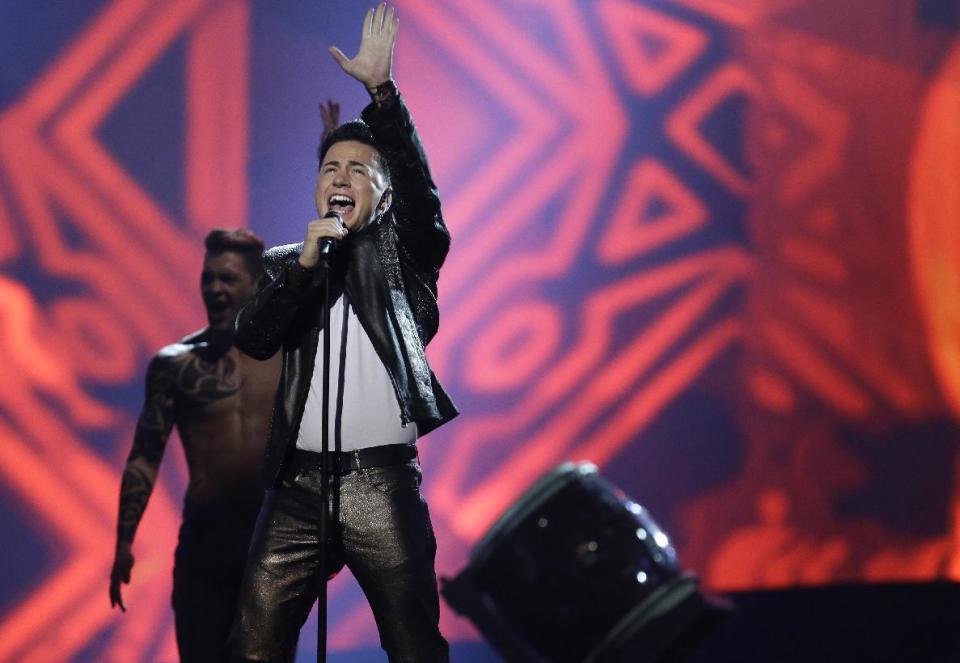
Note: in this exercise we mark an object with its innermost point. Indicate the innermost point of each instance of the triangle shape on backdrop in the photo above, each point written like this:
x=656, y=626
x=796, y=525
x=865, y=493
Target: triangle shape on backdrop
x=656, y=208
x=652, y=48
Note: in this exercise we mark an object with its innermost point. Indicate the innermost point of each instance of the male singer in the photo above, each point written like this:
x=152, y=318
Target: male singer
x=392, y=240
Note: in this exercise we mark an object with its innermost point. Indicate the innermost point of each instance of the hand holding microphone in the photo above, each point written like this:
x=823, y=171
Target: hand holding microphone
x=322, y=238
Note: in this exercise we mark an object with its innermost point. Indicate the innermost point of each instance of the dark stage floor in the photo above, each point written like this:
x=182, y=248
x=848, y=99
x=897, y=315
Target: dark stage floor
x=880, y=623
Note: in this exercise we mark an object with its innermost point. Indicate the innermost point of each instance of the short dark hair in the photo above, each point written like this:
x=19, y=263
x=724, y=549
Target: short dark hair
x=238, y=240
x=359, y=131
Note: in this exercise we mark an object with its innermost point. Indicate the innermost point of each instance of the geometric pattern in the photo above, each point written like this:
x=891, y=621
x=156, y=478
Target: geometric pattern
x=635, y=228
x=652, y=203
x=75, y=213
x=655, y=47
x=842, y=391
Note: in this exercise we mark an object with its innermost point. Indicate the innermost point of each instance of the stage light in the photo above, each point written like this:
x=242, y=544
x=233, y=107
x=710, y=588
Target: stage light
x=575, y=572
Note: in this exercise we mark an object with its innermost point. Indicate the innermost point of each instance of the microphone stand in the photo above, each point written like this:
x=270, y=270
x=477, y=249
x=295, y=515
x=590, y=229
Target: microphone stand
x=324, y=452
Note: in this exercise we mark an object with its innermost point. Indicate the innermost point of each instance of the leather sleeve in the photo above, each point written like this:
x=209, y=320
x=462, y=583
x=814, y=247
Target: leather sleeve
x=263, y=324
x=416, y=201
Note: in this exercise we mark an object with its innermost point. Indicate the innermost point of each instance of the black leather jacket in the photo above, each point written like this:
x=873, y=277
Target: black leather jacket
x=389, y=271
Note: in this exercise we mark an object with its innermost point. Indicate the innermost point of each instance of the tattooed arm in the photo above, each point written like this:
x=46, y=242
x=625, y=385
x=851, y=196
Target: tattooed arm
x=140, y=473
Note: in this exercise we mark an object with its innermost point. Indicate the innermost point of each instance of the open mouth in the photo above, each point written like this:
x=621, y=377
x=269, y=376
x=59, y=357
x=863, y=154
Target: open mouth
x=341, y=203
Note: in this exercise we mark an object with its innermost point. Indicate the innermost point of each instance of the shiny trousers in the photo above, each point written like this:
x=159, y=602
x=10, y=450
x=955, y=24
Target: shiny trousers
x=379, y=528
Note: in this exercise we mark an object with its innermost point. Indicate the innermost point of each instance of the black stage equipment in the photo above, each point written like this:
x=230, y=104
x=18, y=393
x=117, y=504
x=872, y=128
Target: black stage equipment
x=576, y=572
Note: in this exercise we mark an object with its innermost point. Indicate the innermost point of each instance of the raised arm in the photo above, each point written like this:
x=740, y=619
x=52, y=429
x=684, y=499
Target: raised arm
x=143, y=463
x=416, y=206
x=416, y=201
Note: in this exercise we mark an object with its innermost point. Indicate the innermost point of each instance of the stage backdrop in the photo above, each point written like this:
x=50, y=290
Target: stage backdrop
x=711, y=245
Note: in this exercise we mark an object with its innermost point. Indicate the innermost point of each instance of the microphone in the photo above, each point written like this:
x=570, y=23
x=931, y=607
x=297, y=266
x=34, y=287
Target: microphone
x=329, y=245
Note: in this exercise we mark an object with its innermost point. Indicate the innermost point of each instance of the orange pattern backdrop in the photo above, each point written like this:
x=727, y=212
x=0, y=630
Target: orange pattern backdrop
x=711, y=245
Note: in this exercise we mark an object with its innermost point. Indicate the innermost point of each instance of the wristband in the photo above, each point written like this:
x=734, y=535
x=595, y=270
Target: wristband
x=383, y=93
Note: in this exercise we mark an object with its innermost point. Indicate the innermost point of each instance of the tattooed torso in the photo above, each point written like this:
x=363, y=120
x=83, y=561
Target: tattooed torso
x=221, y=402
x=201, y=382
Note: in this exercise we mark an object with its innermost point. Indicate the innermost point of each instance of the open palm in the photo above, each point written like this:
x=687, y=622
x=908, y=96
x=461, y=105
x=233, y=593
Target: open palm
x=373, y=63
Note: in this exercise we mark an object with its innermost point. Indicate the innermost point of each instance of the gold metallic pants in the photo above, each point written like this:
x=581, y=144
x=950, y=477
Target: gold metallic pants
x=379, y=528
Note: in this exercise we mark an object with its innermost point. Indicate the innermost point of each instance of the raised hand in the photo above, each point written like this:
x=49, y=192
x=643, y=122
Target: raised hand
x=373, y=63
x=330, y=116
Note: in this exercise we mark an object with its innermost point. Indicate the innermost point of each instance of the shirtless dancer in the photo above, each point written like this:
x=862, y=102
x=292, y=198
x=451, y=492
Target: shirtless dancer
x=221, y=402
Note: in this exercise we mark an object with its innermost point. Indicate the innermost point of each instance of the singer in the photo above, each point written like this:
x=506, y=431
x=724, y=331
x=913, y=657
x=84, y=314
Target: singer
x=380, y=223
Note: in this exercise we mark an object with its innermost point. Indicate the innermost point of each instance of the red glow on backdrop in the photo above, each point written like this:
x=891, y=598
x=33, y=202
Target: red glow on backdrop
x=736, y=201
x=66, y=186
